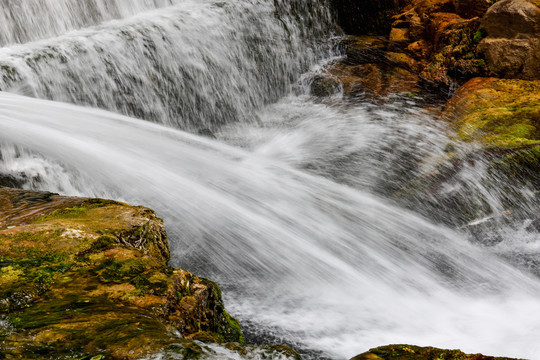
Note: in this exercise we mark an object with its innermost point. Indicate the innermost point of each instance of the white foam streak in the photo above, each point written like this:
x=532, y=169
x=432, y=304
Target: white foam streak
x=195, y=65
x=333, y=268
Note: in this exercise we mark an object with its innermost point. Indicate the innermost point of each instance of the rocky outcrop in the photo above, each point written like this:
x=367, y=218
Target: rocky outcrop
x=502, y=118
x=430, y=45
x=410, y=352
x=511, y=45
x=449, y=42
x=499, y=113
x=88, y=277
x=443, y=35
x=369, y=71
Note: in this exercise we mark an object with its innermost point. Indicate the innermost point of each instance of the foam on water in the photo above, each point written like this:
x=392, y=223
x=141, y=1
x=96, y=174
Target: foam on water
x=195, y=65
x=332, y=268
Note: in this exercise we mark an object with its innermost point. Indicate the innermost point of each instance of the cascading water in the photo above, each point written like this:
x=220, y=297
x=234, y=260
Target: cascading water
x=293, y=216
x=29, y=20
x=195, y=65
x=333, y=268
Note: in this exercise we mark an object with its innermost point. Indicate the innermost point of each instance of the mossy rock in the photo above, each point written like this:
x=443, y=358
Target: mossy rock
x=411, y=352
x=497, y=113
x=88, y=277
x=503, y=117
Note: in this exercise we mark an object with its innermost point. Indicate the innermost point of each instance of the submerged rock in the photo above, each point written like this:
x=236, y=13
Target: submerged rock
x=501, y=117
x=9, y=180
x=411, y=352
x=368, y=71
x=83, y=277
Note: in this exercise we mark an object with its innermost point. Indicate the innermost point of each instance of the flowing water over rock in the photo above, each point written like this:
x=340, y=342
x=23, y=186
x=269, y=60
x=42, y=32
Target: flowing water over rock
x=295, y=208
x=29, y=20
x=333, y=268
x=195, y=65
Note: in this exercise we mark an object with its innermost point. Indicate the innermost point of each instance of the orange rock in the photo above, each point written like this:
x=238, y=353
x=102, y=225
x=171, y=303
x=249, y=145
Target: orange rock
x=399, y=35
x=421, y=49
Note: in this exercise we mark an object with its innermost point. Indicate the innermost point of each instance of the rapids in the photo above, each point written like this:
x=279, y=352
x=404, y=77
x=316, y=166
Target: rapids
x=292, y=208
x=334, y=268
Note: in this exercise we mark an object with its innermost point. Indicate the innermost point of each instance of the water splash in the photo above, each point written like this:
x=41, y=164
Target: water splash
x=30, y=20
x=334, y=268
x=195, y=65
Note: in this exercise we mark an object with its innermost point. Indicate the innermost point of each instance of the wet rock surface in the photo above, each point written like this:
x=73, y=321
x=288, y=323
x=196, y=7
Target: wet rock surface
x=500, y=118
x=89, y=277
x=369, y=71
x=410, y=352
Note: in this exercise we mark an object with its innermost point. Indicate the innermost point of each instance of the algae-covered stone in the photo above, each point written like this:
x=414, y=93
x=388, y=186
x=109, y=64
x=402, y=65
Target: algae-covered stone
x=497, y=113
x=411, y=352
x=88, y=277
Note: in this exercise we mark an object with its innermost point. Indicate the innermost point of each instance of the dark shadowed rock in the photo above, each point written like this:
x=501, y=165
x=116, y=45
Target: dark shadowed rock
x=207, y=133
x=471, y=8
x=324, y=85
x=359, y=17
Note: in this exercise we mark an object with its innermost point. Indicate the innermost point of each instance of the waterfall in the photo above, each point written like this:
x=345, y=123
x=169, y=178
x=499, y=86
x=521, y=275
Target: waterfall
x=195, y=65
x=357, y=270
x=293, y=208
x=29, y=20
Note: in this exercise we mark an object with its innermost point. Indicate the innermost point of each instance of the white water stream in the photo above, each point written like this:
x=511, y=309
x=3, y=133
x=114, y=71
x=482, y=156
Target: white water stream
x=288, y=210
x=195, y=65
x=332, y=268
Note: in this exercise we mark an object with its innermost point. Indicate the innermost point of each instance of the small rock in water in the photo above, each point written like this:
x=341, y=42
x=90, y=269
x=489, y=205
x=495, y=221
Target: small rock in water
x=207, y=133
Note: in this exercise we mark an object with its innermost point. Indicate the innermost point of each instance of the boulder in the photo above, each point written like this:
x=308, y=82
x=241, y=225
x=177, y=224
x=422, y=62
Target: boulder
x=89, y=278
x=374, y=82
x=498, y=113
x=324, y=85
x=364, y=49
x=511, y=45
x=502, y=118
x=411, y=352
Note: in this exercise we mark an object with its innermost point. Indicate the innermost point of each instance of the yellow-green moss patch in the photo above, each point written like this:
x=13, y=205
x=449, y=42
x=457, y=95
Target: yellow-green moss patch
x=497, y=113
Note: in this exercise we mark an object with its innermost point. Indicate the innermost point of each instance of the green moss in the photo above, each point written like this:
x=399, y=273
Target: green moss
x=411, y=352
x=502, y=114
x=232, y=332
x=80, y=284
x=479, y=35
x=520, y=166
x=76, y=211
x=480, y=63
